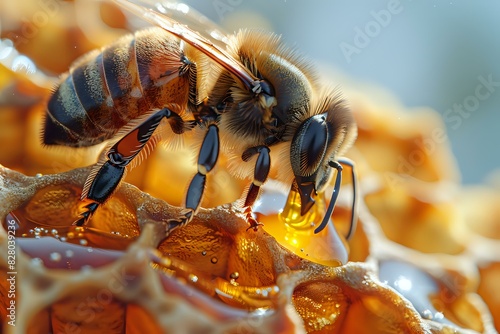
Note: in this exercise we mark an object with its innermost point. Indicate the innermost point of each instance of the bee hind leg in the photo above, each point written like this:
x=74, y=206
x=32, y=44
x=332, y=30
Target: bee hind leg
x=103, y=184
x=207, y=159
x=105, y=177
x=261, y=171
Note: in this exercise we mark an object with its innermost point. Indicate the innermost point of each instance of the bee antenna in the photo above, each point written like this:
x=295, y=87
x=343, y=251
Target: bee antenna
x=354, y=208
x=335, y=195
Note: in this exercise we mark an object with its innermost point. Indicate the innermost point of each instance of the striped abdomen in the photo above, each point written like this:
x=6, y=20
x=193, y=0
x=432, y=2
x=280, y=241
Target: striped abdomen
x=103, y=91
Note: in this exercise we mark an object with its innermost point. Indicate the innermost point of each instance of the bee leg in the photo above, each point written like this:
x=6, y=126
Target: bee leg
x=261, y=171
x=85, y=216
x=102, y=182
x=207, y=159
x=103, y=185
x=354, y=208
x=335, y=195
x=336, y=189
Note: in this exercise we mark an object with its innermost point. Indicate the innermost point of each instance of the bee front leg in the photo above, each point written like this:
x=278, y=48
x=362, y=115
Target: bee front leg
x=355, y=191
x=261, y=171
x=207, y=159
x=105, y=177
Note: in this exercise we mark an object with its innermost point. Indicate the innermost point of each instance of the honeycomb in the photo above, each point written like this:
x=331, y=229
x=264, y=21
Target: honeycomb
x=425, y=257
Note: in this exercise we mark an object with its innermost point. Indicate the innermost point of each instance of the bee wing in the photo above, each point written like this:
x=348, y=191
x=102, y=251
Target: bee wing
x=186, y=15
x=193, y=38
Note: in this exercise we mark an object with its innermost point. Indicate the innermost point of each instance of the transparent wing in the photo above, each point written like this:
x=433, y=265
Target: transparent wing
x=187, y=15
x=162, y=14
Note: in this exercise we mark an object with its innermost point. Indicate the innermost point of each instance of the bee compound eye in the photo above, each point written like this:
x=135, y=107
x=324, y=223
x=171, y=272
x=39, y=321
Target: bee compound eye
x=309, y=145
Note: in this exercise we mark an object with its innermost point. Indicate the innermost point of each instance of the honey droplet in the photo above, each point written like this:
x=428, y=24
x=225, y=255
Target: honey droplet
x=296, y=232
x=427, y=314
x=37, y=261
x=234, y=275
x=56, y=257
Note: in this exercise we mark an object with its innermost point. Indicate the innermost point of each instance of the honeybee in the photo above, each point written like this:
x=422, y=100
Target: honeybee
x=256, y=100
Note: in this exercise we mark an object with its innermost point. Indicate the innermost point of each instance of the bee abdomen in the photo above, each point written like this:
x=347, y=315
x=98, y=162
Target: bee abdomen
x=67, y=121
x=104, y=91
x=82, y=111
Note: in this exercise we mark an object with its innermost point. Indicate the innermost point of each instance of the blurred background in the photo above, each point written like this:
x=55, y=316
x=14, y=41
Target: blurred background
x=427, y=53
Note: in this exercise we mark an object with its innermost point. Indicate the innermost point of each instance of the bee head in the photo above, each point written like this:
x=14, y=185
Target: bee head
x=315, y=146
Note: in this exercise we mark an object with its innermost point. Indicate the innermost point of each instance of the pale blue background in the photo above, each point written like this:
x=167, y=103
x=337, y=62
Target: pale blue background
x=430, y=54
